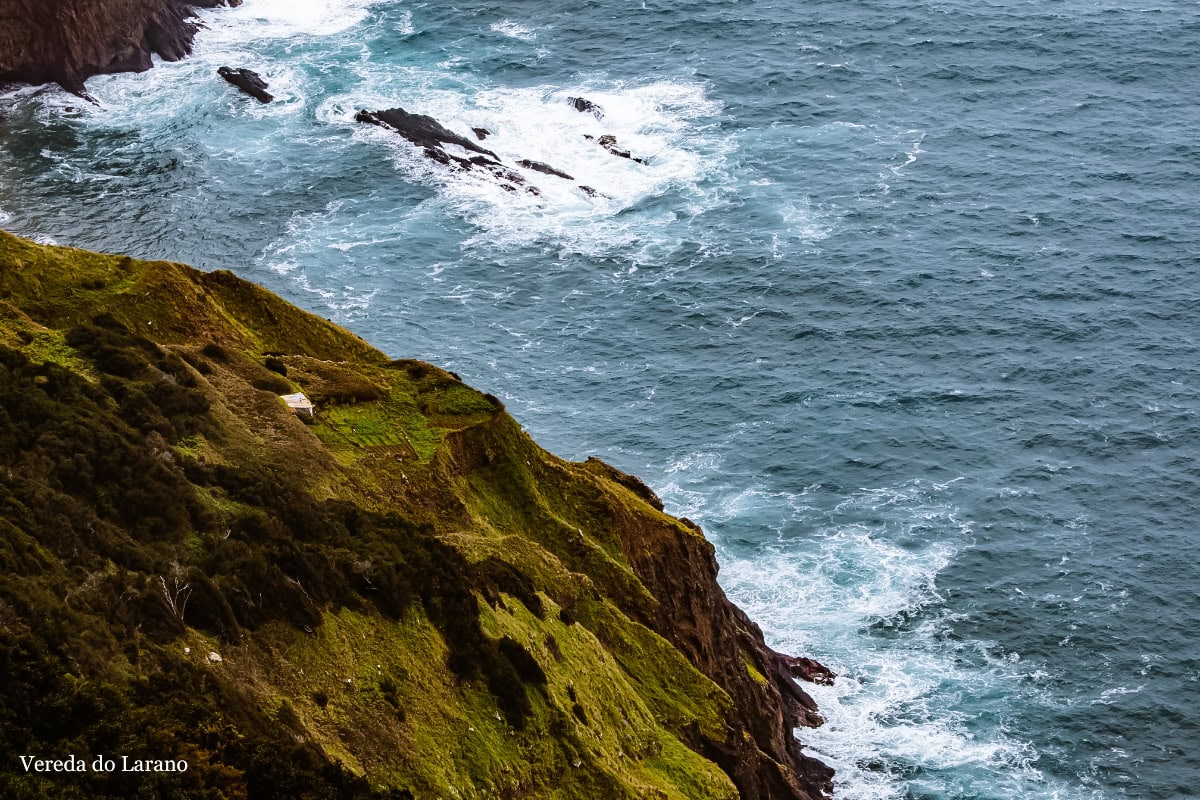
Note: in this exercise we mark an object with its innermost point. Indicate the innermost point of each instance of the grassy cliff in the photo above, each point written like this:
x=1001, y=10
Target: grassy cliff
x=404, y=597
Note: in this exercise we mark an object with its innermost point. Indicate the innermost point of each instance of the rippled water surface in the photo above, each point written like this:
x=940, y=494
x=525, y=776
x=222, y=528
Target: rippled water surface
x=902, y=309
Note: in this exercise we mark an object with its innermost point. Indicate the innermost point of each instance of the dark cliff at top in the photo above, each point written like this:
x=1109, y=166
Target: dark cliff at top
x=68, y=41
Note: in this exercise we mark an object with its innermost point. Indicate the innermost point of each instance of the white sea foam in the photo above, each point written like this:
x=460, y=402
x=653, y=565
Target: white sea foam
x=20, y=91
x=255, y=20
x=405, y=26
x=640, y=211
x=662, y=123
x=4, y=217
x=833, y=574
x=692, y=461
x=514, y=30
x=280, y=256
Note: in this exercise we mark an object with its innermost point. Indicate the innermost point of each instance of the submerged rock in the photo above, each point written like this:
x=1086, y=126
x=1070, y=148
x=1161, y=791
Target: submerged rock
x=481, y=133
x=248, y=81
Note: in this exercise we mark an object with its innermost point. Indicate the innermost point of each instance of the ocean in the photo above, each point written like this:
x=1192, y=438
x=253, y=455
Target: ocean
x=902, y=308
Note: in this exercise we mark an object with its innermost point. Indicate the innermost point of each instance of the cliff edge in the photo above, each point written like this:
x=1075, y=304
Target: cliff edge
x=68, y=41
x=400, y=597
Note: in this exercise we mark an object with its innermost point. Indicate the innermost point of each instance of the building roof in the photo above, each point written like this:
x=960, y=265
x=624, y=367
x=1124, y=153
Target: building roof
x=297, y=400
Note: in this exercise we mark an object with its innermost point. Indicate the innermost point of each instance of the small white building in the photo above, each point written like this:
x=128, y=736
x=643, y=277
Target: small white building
x=299, y=404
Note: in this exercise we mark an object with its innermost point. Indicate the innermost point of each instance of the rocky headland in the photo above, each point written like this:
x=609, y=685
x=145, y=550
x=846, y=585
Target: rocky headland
x=402, y=596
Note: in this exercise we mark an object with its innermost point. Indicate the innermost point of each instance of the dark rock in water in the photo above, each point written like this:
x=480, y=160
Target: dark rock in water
x=609, y=143
x=499, y=170
x=481, y=133
x=248, y=81
x=68, y=41
x=422, y=130
x=811, y=670
x=590, y=192
x=429, y=134
x=585, y=106
x=538, y=166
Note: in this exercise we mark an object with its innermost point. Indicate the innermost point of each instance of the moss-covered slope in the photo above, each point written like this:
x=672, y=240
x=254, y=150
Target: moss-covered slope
x=406, y=597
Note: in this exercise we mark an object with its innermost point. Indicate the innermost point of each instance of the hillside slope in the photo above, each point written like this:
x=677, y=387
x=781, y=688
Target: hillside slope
x=405, y=597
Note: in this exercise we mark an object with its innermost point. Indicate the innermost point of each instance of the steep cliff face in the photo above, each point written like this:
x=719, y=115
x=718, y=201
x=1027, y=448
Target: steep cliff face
x=68, y=41
x=403, y=597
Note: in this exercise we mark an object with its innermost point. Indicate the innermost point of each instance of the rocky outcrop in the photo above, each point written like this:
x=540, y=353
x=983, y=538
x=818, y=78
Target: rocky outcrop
x=807, y=669
x=68, y=41
x=432, y=137
x=544, y=168
x=421, y=129
x=609, y=143
x=248, y=81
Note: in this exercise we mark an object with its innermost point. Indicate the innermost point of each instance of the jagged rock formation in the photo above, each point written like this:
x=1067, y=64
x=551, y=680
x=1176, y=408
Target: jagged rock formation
x=431, y=136
x=422, y=130
x=248, y=81
x=544, y=168
x=609, y=143
x=68, y=41
x=403, y=598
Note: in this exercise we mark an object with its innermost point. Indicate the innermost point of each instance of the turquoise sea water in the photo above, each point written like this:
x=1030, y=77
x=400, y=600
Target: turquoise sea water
x=902, y=310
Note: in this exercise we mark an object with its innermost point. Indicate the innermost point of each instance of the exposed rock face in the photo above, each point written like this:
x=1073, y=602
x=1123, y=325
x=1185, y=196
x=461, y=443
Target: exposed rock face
x=694, y=614
x=68, y=41
x=248, y=81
